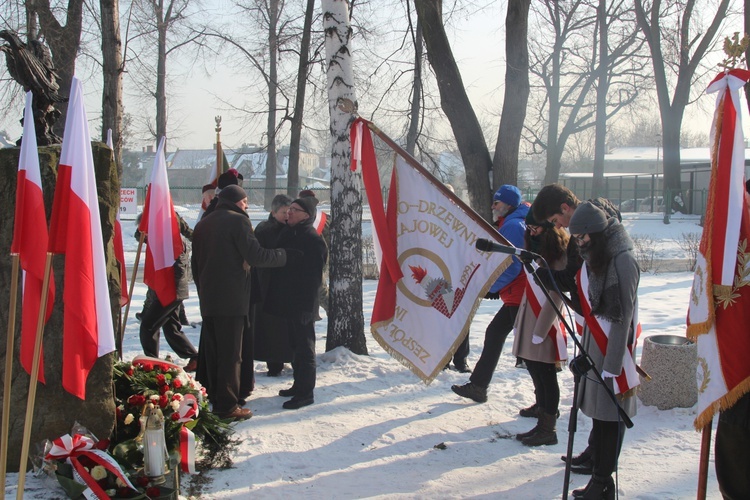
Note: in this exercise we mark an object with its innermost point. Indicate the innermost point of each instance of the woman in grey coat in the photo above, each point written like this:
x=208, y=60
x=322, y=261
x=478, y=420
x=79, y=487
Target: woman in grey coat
x=608, y=291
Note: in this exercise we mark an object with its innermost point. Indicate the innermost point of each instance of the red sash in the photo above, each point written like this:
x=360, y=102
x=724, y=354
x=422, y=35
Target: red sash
x=536, y=299
x=600, y=328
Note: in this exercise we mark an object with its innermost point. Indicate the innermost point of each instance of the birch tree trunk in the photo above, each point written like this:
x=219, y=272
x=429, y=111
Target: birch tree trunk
x=345, y=316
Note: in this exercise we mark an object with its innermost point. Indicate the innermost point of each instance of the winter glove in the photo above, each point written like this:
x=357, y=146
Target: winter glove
x=580, y=365
x=536, y=339
x=492, y=295
x=293, y=256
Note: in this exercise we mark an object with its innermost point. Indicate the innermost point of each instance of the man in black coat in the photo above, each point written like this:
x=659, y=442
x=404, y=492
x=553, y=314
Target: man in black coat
x=293, y=294
x=224, y=249
x=271, y=342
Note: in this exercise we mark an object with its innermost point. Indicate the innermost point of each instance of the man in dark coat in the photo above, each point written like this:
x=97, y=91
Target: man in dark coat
x=224, y=249
x=271, y=342
x=293, y=294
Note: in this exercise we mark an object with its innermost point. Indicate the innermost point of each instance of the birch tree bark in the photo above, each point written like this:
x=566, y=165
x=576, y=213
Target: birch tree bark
x=345, y=316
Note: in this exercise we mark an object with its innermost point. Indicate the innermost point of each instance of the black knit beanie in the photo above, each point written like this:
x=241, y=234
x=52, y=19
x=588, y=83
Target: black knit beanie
x=232, y=193
x=308, y=204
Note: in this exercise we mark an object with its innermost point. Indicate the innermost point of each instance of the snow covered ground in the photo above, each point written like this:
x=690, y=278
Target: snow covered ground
x=376, y=431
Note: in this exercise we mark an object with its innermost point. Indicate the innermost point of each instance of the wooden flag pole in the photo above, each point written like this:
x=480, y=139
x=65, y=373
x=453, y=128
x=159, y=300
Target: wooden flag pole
x=703, y=464
x=34, y=379
x=8, y=369
x=124, y=320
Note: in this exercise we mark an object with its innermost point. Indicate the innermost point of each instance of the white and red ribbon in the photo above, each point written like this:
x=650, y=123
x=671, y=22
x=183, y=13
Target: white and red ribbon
x=187, y=450
x=187, y=411
x=69, y=446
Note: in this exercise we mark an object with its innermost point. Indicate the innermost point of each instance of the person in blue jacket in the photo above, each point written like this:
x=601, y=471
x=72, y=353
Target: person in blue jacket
x=506, y=204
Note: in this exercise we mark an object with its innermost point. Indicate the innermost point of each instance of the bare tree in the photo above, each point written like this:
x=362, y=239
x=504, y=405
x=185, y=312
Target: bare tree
x=505, y=163
x=156, y=22
x=567, y=65
x=272, y=9
x=456, y=105
x=346, y=319
x=112, y=69
x=677, y=46
x=63, y=40
x=296, y=119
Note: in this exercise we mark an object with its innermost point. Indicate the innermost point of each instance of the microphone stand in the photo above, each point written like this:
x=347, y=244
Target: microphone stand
x=580, y=365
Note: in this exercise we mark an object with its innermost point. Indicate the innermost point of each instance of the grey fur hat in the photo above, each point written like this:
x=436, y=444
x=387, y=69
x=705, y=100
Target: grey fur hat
x=587, y=219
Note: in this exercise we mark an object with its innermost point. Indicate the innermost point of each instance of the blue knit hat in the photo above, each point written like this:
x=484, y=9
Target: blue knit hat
x=508, y=194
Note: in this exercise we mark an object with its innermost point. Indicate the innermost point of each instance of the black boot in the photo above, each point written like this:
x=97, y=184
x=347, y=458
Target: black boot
x=471, y=391
x=530, y=412
x=599, y=488
x=546, y=432
x=525, y=435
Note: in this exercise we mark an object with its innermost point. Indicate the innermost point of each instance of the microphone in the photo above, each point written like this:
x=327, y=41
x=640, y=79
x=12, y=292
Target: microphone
x=490, y=246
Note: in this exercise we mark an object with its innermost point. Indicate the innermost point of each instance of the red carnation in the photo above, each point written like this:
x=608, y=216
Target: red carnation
x=130, y=372
x=147, y=367
x=163, y=400
x=163, y=389
x=175, y=416
x=160, y=379
x=176, y=383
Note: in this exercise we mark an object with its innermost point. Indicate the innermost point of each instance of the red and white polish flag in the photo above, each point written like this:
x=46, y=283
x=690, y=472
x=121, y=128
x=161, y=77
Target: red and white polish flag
x=30, y=240
x=719, y=310
x=160, y=223
x=75, y=231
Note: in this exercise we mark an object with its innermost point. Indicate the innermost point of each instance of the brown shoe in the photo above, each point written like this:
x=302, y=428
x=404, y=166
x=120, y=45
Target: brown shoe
x=192, y=365
x=238, y=414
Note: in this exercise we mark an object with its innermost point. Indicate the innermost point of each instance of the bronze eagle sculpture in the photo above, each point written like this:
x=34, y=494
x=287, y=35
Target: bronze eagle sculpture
x=30, y=64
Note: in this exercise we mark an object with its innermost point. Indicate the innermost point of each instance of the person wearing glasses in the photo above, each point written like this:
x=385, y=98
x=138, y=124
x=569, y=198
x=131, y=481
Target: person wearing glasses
x=608, y=289
x=556, y=204
x=224, y=250
x=271, y=341
x=293, y=296
x=539, y=338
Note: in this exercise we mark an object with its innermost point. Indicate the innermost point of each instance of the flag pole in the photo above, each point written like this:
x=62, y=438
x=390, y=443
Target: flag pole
x=8, y=367
x=132, y=283
x=703, y=464
x=34, y=380
x=417, y=166
x=219, y=156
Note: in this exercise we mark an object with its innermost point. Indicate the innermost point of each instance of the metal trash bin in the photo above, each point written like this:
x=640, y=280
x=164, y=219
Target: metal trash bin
x=671, y=361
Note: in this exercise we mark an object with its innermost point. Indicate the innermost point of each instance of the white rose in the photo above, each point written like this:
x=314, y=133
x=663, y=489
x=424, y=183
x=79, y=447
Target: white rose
x=129, y=419
x=175, y=405
x=98, y=472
